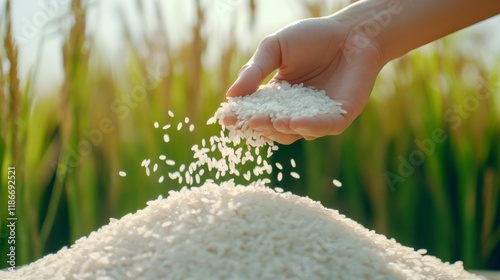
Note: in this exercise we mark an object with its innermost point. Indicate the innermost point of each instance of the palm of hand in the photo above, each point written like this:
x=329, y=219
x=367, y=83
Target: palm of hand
x=318, y=52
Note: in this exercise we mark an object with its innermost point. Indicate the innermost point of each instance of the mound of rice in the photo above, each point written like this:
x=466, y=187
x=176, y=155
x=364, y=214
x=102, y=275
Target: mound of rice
x=274, y=101
x=231, y=231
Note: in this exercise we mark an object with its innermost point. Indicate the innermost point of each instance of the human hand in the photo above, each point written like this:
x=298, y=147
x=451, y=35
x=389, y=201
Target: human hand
x=317, y=52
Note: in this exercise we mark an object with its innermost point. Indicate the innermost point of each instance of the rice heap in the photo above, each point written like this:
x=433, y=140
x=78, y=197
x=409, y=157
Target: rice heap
x=231, y=231
x=274, y=100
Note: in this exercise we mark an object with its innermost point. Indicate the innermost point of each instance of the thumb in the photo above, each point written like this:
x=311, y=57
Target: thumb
x=264, y=61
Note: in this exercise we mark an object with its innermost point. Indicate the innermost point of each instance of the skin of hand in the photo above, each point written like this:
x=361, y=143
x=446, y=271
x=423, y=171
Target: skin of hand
x=310, y=51
x=343, y=54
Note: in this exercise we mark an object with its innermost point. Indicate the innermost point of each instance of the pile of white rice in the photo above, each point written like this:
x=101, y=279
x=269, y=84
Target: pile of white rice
x=274, y=100
x=230, y=231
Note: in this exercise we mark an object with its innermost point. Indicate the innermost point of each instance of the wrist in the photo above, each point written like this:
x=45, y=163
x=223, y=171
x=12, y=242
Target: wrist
x=367, y=21
x=396, y=27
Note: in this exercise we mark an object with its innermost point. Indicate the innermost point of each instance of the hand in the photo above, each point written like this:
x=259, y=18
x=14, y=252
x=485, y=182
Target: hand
x=318, y=52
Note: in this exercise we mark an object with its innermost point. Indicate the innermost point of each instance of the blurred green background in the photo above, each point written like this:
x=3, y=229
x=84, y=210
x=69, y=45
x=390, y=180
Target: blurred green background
x=421, y=164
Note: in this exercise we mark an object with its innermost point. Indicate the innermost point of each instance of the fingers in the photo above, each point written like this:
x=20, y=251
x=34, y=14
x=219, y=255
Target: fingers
x=318, y=126
x=287, y=130
x=308, y=128
x=264, y=126
x=230, y=120
x=265, y=60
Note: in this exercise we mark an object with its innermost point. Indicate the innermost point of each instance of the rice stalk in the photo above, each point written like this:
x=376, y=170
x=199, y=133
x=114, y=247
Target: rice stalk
x=13, y=89
x=194, y=63
x=15, y=141
x=75, y=57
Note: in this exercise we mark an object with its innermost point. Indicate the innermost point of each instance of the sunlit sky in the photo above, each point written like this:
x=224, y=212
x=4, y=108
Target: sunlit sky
x=37, y=27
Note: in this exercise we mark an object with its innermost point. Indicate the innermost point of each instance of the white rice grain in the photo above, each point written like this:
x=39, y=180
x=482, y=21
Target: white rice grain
x=278, y=165
x=182, y=167
x=280, y=176
x=145, y=162
x=337, y=183
x=295, y=175
x=122, y=173
x=230, y=231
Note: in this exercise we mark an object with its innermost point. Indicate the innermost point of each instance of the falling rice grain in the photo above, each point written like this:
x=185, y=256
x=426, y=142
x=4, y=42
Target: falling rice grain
x=179, y=126
x=191, y=127
x=280, y=176
x=166, y=138
x=156, y=125
x=269, y=153
x=170, y=162
x=186, y=120
x=337, y=183
x=247, y=175
x=161, y=179
x=162, y=157
x=122, y=173
x=167, y=126
x=259, y=160
x=155, y=167
x=173, y=175
x=295, y=175
x=280, y=167
x=170, y=113
x=145, y=162
x=292, y=163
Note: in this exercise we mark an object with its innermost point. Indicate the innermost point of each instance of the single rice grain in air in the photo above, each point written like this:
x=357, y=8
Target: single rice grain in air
x=337, y=183
x=295, y=175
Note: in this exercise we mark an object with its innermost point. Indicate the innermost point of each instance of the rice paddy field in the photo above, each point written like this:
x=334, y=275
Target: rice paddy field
x=421, y=164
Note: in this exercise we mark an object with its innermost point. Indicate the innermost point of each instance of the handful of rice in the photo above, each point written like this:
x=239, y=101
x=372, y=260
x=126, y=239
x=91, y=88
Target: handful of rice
x=231, y=231
x=274, y=101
